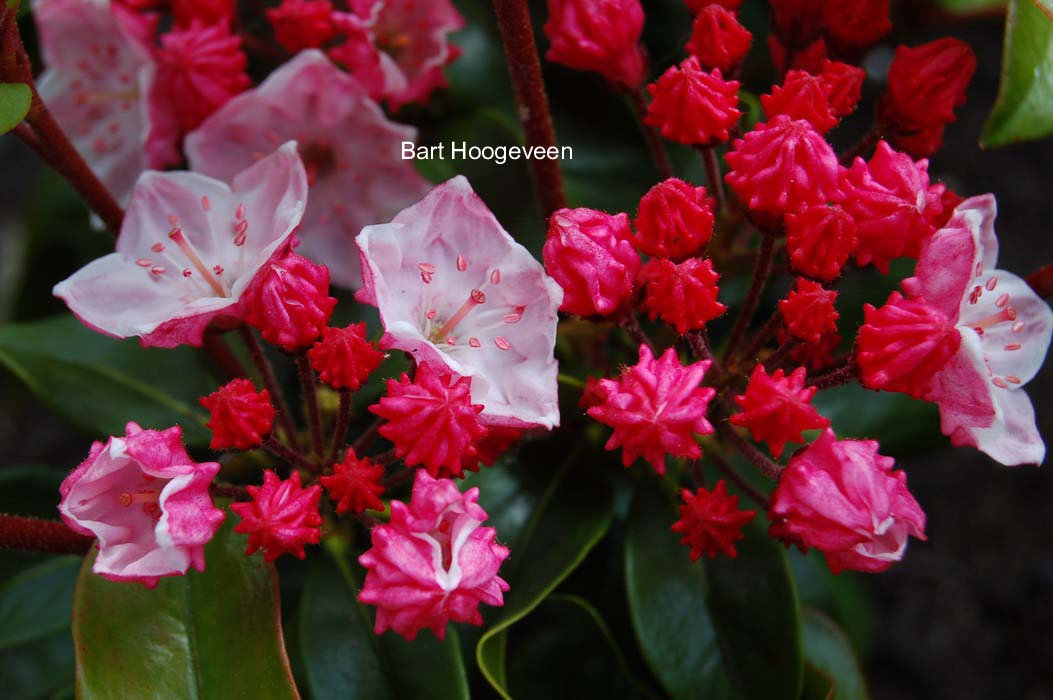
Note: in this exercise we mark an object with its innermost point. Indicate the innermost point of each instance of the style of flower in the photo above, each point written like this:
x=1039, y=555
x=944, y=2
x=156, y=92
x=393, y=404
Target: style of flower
x=239, y=416
x=456, y=291
x=355, y=484
x=355, y=178
x=777, y=408
x=433, y=563
x=146, y=501
x=281, y=518
x=711, y=522
x=189, y=248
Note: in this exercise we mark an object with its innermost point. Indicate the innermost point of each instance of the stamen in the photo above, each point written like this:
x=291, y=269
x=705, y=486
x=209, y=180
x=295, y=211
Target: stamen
x=974, y=296
x=474, y=299
x=502, y=344
x=242, y=227
x=1012, y=346
x=144, y=262
x=462, y=264
x=218, y=269
x=1007, y=314
x=979, y=269
x=126, y=499
x=180, y=240
x=999, y=382
x=239, y=213
x=187, y=272
x=1018, y=326
x=173, y=219
x=1012, y=379
x=1002, y=300
x=516, y=316
x=157, y=270
x=451, y=340
x=239, y=240
x=431, y=314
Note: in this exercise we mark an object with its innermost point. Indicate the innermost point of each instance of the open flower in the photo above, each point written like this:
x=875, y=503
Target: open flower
x=1005, y=332
x=99, y=71
x=348, y=147
x=147, y=503
x=189, y=248
x=433, y=563
x=455, y=290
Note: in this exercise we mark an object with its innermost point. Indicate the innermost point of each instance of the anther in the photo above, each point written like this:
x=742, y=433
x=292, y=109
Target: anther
x=157, y=270
x=474, y=342
x=206, y=204
x=495, y=276
x=427, y=271
x=1002, y=300
x=502, y=344
x=1012, y=346
x=1012, y=379
x=999, y=382
x=239, y=213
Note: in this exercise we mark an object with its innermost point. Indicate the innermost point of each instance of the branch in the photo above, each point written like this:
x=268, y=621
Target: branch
x=761, y=273
x=38, y=535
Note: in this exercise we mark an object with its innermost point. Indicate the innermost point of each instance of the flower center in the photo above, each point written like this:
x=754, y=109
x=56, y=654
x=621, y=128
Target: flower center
x=148, y=499
x=318, y=160
x=1006, y=314
x=443, y=331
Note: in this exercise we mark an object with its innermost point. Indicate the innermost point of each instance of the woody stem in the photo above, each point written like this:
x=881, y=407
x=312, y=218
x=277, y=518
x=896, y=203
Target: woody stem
x=766, y=465
x=842, y=373
x=632, y=326
x=289, y=456
x=343, y=420
x=266, y=372
x=38, y=535
x=761, y=273
x=310, y=399
x=716, y=184
x=756, y=494
x=654, y=139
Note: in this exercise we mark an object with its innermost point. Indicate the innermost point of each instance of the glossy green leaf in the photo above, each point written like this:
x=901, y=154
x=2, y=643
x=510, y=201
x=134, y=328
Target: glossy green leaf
x=39, y=670
x=566, y=523
x=840, y=596
x=15, y=100
x=753, y=600
x=901, y=424
x=98, y=383
x=827, y=649
x=215, y=634
x=967, y=7
x=1024, y=109
x=36, y=603
x=667, y=600
x=816, y=685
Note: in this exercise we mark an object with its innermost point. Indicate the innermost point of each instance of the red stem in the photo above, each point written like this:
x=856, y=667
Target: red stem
x=343, y=420
x=861, y=147
x=766, y=465
x=310, y=399
x=524, y=66
x=761, y=272
x=842, y=373
x=266, y=372
x=716, y=184
x=654, y=139
x=38, y=535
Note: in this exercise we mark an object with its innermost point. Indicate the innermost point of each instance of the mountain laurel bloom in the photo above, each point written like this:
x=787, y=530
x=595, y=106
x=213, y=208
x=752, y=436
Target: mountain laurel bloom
x=290, y=303
x=808, y=311
x=683, y=295
x=717, y=40
x=239, y=416
x=348, y=147
x=656, y=407
x=455, y=290
x=711, y=522
x=344, y=358
x=146, y=501
x=777, y=408
x=433, y=563
x=844, y=499
x=601, y=36
x=675, y=220
x=692, y=106
x=355, y=484
x=281, y=518
x=189, y=248
x=1005, y=333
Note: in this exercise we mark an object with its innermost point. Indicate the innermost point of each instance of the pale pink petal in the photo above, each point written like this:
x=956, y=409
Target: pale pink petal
x=1013, y=439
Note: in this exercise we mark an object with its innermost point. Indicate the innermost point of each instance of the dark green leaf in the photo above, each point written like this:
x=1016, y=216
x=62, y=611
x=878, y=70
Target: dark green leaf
x=841, y=596
x=827, y=649
x=1024, y=109
x=667, y=599
x=901, y=425
x=15, y=100
x=40, y=669
x=817, y=685
x=36, y=603
x=99, y=384
x=215, y=634
x=967, y=7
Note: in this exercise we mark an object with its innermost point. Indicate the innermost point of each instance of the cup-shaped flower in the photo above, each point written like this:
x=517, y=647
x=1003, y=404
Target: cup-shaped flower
x=189, y=248
x=844, y=499
x=146, y=501
x=433, y=562
x=455, y=290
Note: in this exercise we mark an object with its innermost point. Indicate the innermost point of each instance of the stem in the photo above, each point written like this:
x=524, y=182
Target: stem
x=766, y=465
x=762, y=336
x=343, y=420
x=632, y=326
x=716, y=184
x=524, y=67
x=366, y=439
x=399, y=478
x=861, y=146
x=761, y=272
x=654, y=139
x=700, y=347
x=38, y=535
x=290, y=456
x=266, y=372
x=310, y=399
x=843, y=373
x=756, y=494
x=781, y=353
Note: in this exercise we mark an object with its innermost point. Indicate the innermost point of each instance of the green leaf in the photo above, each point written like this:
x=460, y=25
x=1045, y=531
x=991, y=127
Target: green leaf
x=215, y=634
x=667, y=600
x=559, y=630
x=98, y=383
x=31, y=489
x=15, y=100
x=901, y=424
x=754, y=604
x=40, y=669
x=35, y=604
x=827, y=649
x=1024, y=109
x=967, y=7
x=343, y=659
x=567, y=522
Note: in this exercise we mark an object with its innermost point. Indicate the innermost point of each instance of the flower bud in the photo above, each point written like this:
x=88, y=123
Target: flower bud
x=602, y=36
x=290, y=302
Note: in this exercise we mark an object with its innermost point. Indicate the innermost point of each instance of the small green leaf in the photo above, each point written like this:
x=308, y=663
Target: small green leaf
x=828, y=650
x=1024, y=109
x=215, y=634
x=36, y=603
x=15, y=101
x=98, y=383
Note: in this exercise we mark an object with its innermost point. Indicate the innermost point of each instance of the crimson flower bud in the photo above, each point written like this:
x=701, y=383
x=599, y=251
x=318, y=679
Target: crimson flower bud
x=809, y=311
x=692, y=106
x=718, y=40
x=290, y=303
x=711, y=521
x=344, y=358
x=240, y=416
x=675, y=220
x=602, y=36
x=802, y=96
x=684, y=295
x=820, y=238
x=302, y=24
x=856, y=23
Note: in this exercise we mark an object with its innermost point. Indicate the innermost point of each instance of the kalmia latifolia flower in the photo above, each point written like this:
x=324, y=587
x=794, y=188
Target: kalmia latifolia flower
x=431, y=420
x=925, y=85
x=147, y=503
x=189, y=248
x=302, y=24
x=718, y=41
x=433, y=563
x=206, y=12
x=198, y=70
x=590, y=255
x=856, y=23
x=656, y=407
x=820, y=239
x=289, y=302
x=239, y=416
x=1005, y=332
x=281, y=518
x=99, y=70
x=893, y=205
x=683, y=295
x=808, y=311
x=810, y=58
x=802, y=96
x=782, y=166
x=777, y=408
x=844, y=499
x=346, y=143
x=675, y=220
x=692, y=106
x=344, y=358
x=455, y=290
x=355, y=484
x=601, y=36
x=711, y=522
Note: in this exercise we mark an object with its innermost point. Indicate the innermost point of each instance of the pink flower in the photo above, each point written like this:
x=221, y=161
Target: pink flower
x=240, y=416
x=146, y=501
x=281, y=518
x=433, y=563
x=591, y=255
x=1005, y=332
x=656, y=407
x=349, y=148
x=189, y=248
x=99, y=71
x=711, y=521
x=289, y=302
x=455, y=290
x=602, y=36
x=778, y=408
x=844, y=499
